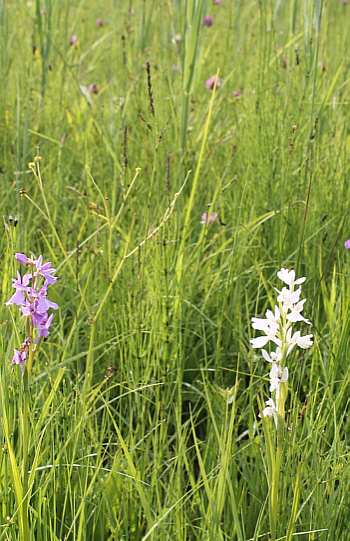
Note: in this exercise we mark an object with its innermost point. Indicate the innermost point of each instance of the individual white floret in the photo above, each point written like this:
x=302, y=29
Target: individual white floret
x=295, y=314
x=277, y=376
x=288, y=277
x=270, y=410
x=288, y=297
x=303, y=342
x=274, y=357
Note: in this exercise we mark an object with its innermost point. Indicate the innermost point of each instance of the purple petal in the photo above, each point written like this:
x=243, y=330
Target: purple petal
x=44, y=305
x=22, y=258
x=17, y=298
x=38, y=262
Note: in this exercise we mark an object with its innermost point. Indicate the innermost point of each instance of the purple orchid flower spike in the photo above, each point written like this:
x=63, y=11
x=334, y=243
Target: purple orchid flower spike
x=33, y=303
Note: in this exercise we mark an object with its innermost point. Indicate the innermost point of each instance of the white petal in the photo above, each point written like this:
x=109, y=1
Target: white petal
x=285, y=374
x=266, y=356
x=259, y=342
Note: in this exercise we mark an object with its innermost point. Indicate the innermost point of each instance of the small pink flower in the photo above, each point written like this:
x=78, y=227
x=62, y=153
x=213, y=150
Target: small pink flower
x=345, y=2
x=236, y=94
x=210, y=83
x=210, y=220
x=217, y=1
x=93, y=89
x=99, y=22
x=208, y=21
x=43, y=11
x=73, y=39
x=131, y=12
x=347, y=244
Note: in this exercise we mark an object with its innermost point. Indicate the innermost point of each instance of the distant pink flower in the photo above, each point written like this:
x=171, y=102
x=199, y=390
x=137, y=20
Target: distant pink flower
x=73, y=39
x=236, y=94
x=210, y=83
x=210, y=220
x=347, y=244
x=93, y=89
x=131, y=12
x=217, y=1
x=43, y=11
x=208, y=21
x=345, y=2
x=99, y=22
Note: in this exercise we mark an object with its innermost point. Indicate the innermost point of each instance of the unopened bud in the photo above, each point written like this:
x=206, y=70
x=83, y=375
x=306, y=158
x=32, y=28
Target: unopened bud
x=37, y=159
x=16, y=221
x=10, y=218
x=31, y=165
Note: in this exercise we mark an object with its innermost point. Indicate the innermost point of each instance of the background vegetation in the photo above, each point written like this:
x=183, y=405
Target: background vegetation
x=140, y=439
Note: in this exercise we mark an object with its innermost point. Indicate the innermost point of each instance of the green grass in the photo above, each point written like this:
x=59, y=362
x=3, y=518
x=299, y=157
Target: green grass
x=134, y=440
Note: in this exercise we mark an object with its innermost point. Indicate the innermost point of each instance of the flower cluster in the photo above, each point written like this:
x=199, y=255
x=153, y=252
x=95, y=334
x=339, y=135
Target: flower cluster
x=33, y=302
x=210, y=219
x=278, y=329
x=210, y=83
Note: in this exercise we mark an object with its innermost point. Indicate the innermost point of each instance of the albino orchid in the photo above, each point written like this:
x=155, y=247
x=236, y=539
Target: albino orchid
x=277, y=326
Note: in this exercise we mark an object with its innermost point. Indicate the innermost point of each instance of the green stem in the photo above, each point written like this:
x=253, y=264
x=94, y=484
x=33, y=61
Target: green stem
x=25, y=502
x=26, y=379
x=275, y=479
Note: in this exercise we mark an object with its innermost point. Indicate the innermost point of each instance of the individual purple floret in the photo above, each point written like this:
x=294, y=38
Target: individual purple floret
x=45, y=270
x=29, y=309
x=347, y=244
x=20, y=356
x=41, y=302
x=43, y=329
x=17, y=359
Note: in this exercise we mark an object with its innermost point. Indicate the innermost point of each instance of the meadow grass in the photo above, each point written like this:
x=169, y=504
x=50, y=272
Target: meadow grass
x=144, y=399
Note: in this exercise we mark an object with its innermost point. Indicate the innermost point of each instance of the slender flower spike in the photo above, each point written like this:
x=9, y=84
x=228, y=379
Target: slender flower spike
x=33, y=303
x=277, y=326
